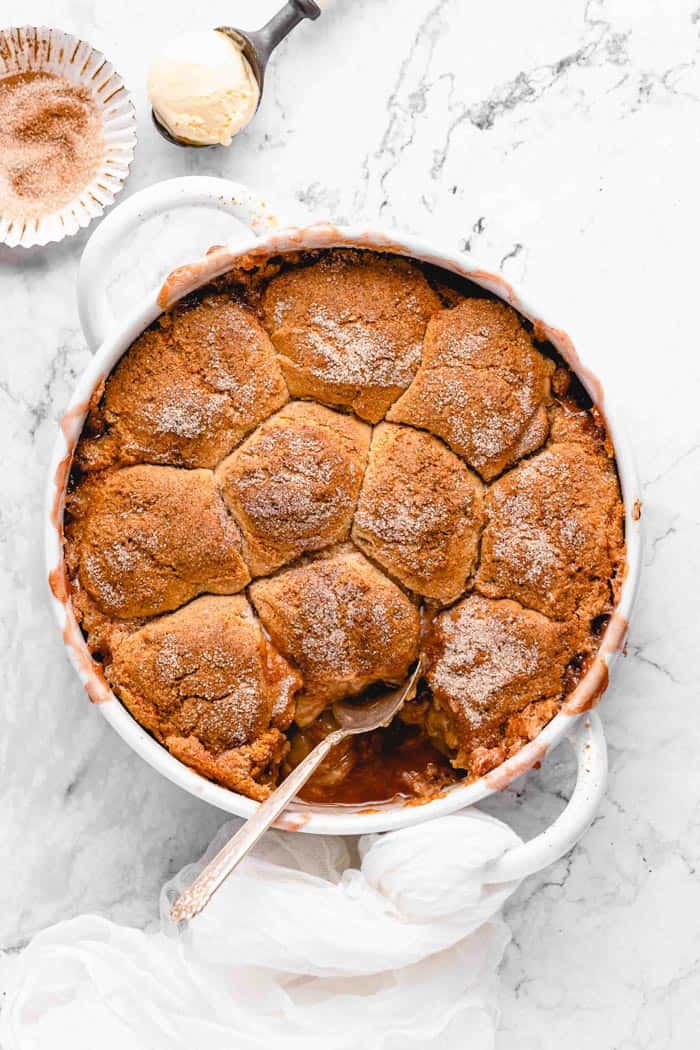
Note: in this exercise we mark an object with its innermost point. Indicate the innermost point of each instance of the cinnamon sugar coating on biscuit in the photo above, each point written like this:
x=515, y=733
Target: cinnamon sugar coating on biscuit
x=554, y=538
x=342, y=623
x=148, y=539
x=252, y=770
x=293, y=485
x=487, y=481
x=209, y=685
x=420, y=513
x=349, y=328
x=482, y=386
x=488, y=661
x=187, y=391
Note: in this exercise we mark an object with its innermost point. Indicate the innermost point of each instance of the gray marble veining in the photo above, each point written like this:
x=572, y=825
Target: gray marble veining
x=557, y=141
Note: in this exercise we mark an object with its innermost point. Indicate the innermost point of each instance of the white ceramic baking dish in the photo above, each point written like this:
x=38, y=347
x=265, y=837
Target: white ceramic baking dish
x=111, y=339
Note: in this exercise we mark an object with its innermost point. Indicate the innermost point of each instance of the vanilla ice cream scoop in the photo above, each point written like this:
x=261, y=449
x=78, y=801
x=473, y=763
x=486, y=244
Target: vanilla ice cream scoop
x=206, y=86
x=202, y=88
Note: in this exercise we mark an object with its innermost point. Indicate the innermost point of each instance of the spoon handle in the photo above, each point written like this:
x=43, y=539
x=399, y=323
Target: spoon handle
x=281, y=24
x=220, y=867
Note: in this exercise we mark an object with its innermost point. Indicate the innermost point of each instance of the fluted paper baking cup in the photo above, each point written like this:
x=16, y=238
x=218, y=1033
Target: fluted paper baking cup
x=38, y=48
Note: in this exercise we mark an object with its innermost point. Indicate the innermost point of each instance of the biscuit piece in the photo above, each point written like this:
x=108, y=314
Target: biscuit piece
x=349, y=328
x=482, y=386
x=573, y=425
x=554, y=537
x=489, y=661
x=187, y=391
x=293, y=485
x=152, y=538
x=420, y=512
x=209, y=685
x=342, y=623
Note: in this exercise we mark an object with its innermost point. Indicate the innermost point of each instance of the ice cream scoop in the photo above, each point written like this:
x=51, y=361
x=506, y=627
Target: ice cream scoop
x=202, y=88
x=206, y=86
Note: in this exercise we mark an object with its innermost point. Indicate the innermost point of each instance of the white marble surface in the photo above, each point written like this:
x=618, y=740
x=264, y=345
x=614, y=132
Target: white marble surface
x=557, y=140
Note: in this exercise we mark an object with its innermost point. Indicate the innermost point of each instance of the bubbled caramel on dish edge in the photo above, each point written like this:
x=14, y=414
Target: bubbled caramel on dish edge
x=491, y=490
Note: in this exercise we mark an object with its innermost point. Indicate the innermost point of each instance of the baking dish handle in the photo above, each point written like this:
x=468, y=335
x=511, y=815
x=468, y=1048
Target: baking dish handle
x=588, y=742
x=221, y=195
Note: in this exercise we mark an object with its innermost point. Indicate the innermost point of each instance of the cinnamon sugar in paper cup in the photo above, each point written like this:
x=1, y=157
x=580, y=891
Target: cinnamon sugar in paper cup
x=30, y=215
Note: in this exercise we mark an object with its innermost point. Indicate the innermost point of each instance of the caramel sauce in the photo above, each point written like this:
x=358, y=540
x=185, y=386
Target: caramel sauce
x=392, y=765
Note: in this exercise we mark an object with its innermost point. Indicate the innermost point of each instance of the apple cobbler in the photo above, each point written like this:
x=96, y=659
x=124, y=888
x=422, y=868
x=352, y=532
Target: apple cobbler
x=310, y=473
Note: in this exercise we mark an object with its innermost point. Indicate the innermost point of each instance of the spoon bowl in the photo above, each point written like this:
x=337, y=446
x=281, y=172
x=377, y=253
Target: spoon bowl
x=362, y=716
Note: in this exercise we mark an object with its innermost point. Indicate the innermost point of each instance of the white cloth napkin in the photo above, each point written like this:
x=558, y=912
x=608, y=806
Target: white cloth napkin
x=299, y=950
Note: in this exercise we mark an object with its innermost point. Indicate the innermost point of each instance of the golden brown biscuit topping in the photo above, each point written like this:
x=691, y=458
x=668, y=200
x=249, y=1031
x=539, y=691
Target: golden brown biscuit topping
x=189, y=390
x=205, y=679
x=293, y=485
x=342, y=623
x=196, y=477
x=482, y=386
x=489, y=660
x=349, y=328
x=554, y=533
x=420, y=513
x=152, y=538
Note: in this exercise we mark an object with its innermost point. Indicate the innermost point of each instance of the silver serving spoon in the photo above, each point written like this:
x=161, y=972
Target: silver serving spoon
x=353, y=717
x=256, y=47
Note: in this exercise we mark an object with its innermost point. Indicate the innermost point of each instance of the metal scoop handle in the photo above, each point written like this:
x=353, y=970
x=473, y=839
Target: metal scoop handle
x=258, y=45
